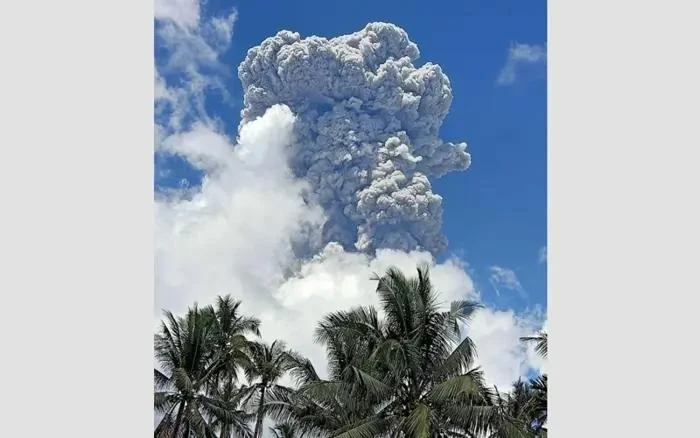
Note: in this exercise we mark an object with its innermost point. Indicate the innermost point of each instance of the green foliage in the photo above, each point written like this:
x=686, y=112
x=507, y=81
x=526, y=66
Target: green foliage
x=406, y=373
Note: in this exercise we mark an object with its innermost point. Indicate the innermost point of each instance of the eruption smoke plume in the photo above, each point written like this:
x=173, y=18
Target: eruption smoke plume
x=366, y=133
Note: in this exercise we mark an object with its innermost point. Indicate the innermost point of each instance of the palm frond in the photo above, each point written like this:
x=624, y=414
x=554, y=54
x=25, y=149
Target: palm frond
x=540, y=343
x=470, y=384
x=368, y=428
x=418, y=422
x=461, y=358
x=160, y=380
x=301, y=369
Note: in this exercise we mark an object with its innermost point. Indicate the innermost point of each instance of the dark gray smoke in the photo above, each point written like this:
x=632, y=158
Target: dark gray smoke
x=367, y=133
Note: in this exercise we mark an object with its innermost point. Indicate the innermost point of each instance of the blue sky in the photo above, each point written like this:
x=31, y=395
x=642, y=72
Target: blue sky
x=495, y=212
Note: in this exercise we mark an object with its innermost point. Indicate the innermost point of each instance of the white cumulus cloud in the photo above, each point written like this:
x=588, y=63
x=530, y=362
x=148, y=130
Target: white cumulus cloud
x=235, y=233
x=501, y=353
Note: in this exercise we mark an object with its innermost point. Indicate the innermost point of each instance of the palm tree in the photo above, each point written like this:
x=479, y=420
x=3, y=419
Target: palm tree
x=526, y=407
x=268, y=363
x=199, y=355
x=408, y=374
x=182, y=349
x=229, y=337
x=230, y=420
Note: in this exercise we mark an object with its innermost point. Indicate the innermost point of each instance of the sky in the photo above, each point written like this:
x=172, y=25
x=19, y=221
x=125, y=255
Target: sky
x=233, y=210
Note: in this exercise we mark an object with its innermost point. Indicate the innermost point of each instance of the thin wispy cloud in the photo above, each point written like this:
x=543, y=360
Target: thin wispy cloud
x=504, y=279
x=543, y=255
x=184, y=13
x=190, y=66
x=522, y=59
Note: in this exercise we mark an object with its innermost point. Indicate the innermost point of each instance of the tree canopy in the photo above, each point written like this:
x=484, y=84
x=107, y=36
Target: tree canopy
x=404, y=369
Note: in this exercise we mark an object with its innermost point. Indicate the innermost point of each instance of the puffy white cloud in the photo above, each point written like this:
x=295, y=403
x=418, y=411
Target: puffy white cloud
x=235, y=233
x=367, y=134
x=501, y=353
x=519, y=57
x=504, y=278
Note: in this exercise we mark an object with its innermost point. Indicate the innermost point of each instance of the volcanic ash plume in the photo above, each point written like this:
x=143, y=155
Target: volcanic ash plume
x=366, y=135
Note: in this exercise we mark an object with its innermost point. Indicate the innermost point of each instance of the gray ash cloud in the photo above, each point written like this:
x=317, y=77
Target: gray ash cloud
x=367, y=131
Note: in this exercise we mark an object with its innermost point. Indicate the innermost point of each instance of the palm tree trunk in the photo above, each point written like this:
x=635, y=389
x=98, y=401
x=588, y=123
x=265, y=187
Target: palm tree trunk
x=261, y=414
x=178, y=419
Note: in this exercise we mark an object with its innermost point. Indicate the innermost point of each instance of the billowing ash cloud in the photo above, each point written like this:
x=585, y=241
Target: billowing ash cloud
x=367, y=131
